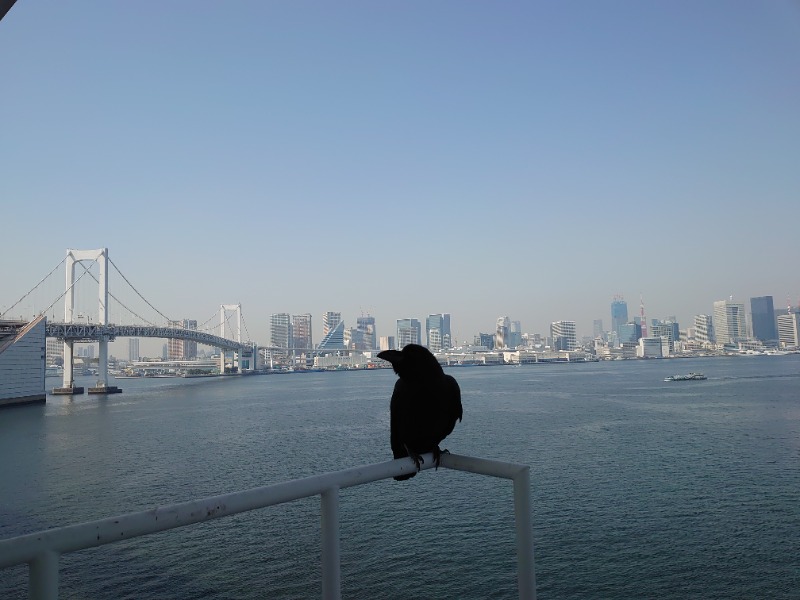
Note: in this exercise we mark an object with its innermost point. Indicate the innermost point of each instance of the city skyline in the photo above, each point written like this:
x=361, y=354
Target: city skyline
x=407, y=160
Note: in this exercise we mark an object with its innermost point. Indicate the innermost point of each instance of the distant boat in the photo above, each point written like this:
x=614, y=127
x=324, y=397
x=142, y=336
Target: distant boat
x=689, y=377
x=54, y=371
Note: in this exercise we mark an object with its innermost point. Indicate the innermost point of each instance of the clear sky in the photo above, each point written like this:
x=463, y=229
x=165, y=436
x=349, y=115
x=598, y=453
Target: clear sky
x=484, y=159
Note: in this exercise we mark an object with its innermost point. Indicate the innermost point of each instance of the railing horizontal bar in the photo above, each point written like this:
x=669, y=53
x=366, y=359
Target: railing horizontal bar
x=25, y=548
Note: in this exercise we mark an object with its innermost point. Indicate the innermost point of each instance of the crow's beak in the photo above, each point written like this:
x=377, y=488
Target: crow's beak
x=392, y=356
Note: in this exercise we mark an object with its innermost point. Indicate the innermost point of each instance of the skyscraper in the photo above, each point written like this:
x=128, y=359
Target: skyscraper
x=330, y=320
x=703, y=329
x=437, y=332
x=515, y=334
x=501, y=332
x=408, y=332
x=133, y=349
x=619, y=313
x=280, y=334
x=597, y=329
x=301, y=333
x=729, y=322
x=365, y=338
x=763, y=314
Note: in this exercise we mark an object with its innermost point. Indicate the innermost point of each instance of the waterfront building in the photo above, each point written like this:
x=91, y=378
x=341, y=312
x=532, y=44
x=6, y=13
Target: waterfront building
x=22, y=366
x=501, y=333
x=408, y=332
x=667, y=330
x=366, y=338
x=650, y=347
x=564, y=335
x=280, y=336
x=789, y=330
x=302, y=339
x=54, y=352
x=729, y=322
x=133, y=349
x=440, y=323
x=762, y=312
x=330, y=320
x=386, y=342
x=515, y=334
x=703, y=329
x=333, y=341
x=485, y=340
x=629, y=332
x=619, y=314
x=182, y=349
x=597, y=329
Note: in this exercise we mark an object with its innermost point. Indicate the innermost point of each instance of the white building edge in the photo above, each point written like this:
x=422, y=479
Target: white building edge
x=22, y=364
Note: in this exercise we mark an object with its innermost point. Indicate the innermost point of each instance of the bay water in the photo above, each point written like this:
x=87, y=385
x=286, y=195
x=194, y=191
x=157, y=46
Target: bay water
x=640, y=488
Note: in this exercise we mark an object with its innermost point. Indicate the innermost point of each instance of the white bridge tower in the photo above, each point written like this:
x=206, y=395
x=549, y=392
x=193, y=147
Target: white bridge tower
x=245, y=358
x=101, y=258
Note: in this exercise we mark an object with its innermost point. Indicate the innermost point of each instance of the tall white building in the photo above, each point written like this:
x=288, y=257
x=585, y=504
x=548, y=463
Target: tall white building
x=789, y=329
x=703, y=329
x=329, y=321
x=280, y=334
x=730, y=324
x=564, y=335
x=133, y=349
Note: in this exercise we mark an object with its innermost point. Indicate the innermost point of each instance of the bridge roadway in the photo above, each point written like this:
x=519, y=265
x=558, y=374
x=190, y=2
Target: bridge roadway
x=88, y=332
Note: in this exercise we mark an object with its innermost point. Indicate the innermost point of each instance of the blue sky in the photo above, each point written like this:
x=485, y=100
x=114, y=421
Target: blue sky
x=406, y=158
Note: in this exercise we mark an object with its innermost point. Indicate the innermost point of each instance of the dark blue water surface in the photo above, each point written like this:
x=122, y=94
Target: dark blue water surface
x=641, y=488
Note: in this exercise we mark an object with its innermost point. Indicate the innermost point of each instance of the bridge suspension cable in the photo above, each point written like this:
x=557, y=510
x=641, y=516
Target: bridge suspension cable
x=139, y=294
x=34, y=288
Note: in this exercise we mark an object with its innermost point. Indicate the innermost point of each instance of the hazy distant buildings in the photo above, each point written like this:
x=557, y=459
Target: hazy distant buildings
x=597, y=329
x=789, y=329
x=501, y=332
x=515, y=334
x=54, y=351
x=280, y=334
x=762, y=312
x=302, y=339
x=386, y=342
x=729, y=322
x=629, y=332
x=133, y=349
x=703, y=329
x=333, y=340
x=619, y=314
x=668, y=330
x=182, y=349
x=329, y=321
x=408, y=332
x=650, y=347
x=485, y=340
x=363, y=337
x=437, y=331
x=564, y=335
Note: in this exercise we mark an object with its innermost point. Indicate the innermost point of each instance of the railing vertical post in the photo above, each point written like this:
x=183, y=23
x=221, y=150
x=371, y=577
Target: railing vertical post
x=526, y=577
x=331, y=562
x=43, y=577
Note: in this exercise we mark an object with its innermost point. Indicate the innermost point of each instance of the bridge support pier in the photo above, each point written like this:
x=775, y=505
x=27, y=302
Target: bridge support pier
x=68, y=384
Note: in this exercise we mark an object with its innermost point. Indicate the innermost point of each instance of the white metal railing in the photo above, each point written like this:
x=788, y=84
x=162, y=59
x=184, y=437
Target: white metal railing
x=41, y=550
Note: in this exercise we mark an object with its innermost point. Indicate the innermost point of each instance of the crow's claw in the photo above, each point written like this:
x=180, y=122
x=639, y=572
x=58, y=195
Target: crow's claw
x=417, y=458
x=437, y=456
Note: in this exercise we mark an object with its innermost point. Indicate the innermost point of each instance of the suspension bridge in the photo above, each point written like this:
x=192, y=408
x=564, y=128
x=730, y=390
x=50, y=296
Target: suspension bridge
x=225, y=335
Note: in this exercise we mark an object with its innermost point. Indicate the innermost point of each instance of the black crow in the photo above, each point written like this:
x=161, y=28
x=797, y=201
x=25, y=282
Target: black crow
x=425, y=404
